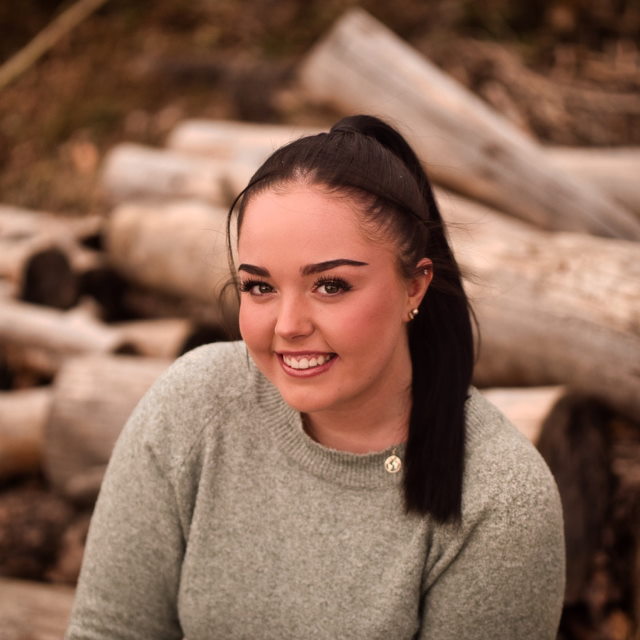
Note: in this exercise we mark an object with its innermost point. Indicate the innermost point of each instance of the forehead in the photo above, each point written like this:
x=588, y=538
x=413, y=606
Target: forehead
x=307, y=219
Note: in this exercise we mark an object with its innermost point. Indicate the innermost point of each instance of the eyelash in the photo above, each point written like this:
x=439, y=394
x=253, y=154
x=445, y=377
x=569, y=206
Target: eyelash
x=343, y=286
x=247, y=285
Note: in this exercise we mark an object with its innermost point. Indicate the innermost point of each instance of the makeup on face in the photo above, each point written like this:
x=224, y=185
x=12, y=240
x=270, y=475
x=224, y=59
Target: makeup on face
x=323, y=308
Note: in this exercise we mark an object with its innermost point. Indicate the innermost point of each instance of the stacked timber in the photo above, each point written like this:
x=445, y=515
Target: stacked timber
x=92, y=310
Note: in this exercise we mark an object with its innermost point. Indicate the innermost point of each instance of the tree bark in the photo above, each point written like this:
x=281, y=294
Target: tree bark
x=362, y=67
x=554, y=308
x=93, y=397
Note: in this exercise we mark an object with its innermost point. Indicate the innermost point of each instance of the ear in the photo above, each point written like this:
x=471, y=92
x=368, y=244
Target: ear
x=419, y=283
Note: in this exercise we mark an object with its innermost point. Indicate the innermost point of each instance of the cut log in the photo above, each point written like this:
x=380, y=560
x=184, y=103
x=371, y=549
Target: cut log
x=237, y=142
x=93, y=397
x=39, y=271
x=177, y=248
x=36, y=254
x=363, y=67
x=16, y=223
x=554, y=308
x=526, y=407
x=615, y=171
x=33, y=610
x=39, y=338
x=594, y=455
x=157, y=337
x=134, y=172
x=23, y=415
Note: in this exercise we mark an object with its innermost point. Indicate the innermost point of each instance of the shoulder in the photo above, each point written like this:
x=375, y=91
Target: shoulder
x=501, y=464
x=209, y=386
x=207, y=373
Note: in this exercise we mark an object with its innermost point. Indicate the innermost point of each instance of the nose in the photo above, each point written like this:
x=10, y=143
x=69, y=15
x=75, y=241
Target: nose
x=294, y=319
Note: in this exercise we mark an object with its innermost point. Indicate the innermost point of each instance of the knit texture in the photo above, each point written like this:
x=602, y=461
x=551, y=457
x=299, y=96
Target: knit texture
x=220, y=518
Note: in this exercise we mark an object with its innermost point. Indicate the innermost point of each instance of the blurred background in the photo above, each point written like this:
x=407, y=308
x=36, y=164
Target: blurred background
x=125, y=130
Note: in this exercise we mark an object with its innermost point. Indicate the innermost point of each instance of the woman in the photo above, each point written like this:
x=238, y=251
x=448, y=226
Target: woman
x=342, y=480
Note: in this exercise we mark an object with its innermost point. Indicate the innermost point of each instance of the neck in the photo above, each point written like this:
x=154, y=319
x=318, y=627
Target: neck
x=375, y=427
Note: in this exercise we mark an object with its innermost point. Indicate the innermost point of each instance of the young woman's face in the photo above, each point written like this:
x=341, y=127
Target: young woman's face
x=323, y=308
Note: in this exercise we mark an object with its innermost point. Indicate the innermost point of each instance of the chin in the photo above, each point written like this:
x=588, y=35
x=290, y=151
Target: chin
x=307, y=401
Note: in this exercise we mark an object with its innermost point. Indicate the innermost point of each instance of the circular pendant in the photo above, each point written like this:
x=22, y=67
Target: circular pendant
x=393, y=464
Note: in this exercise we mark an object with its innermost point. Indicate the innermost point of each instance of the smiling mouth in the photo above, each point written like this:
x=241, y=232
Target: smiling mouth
x=307, y=361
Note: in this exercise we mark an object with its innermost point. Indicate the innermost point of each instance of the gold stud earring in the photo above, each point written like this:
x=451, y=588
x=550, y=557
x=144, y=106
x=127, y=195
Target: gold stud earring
x=413, y=313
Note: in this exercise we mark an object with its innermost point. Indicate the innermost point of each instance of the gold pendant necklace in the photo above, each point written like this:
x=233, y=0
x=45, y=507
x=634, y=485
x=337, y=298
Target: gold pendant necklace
x=392, y=463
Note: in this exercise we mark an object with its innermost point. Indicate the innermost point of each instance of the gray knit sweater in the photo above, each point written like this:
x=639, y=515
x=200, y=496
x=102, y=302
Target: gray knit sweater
x=220, y=518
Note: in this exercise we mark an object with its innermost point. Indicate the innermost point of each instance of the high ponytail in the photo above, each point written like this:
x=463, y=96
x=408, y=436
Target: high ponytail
x=369, y=160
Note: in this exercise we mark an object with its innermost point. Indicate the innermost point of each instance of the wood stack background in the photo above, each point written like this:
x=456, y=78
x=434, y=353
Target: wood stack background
x=93, y=309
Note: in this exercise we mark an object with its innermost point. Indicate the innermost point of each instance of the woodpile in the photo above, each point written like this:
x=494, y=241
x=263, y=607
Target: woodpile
x=92, y=310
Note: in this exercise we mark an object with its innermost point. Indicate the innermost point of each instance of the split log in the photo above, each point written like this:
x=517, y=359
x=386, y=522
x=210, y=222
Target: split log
x=526, y=407
x=93, y=397
x=34, y=610
x=133, y=172
x=554, y=308
x=177, y=248
x=615, y=171
x=361, y=66
x=23, y=415
x=41, y=339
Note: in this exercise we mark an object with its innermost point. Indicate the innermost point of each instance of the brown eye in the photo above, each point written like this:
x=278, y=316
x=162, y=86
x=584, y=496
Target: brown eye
x=255, y=288
x=331, y=286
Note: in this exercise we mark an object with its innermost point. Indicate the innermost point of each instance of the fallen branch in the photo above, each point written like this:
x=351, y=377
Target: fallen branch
x=46, y=39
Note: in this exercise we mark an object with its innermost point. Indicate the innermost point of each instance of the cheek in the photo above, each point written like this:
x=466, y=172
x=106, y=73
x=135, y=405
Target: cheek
x=374, y=320
x=254, y=326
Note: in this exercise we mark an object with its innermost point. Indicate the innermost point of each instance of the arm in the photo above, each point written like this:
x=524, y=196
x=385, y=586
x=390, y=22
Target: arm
x=130, y=575
x=503, y=579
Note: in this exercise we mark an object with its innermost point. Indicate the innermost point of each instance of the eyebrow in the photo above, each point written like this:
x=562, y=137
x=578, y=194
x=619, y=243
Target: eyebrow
x=330, y=264
x=252, y=269
x=308, y=269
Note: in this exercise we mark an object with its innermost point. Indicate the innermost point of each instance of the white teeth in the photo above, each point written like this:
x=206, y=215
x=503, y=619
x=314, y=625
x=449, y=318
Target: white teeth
x=305, y=363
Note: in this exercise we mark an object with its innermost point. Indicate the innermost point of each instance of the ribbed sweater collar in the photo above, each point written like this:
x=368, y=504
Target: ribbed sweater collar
x=337, y=467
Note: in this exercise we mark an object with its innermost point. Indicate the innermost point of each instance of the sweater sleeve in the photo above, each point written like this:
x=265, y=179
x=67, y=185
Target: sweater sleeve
x=500, y=575
x=130, y=576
